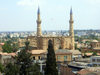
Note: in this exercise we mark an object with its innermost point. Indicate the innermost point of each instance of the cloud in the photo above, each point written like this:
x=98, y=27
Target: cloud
x=31, y=3
x=27, y=2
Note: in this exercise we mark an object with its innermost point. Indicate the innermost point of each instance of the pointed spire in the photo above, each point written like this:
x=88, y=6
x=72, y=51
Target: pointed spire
x=71, y=12
x=38, y=10
x=71, y=32
x=39, y=32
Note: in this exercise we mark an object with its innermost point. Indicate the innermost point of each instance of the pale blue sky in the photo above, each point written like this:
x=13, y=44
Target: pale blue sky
x=21, y=15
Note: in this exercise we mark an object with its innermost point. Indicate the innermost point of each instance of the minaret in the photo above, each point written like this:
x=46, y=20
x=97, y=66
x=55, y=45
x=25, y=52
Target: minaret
x=39, y=32
x=71, y=31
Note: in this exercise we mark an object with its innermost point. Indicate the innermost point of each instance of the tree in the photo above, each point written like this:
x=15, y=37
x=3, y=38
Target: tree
x=7, y=47
x=10, y=47
x=75, y=46
x=11, y=69
x=24, y=60
x=51, y=66
x=94, y=54
x=1, y=68
x=36, y=70
x=14, y=47
x=23, y=64
x=27, y=45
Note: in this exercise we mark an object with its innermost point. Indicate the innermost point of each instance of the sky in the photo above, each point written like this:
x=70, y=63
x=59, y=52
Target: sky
x=21, y=15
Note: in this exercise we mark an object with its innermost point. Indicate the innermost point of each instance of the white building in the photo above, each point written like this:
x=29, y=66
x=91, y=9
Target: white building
x=95, y=60
x=6, y=58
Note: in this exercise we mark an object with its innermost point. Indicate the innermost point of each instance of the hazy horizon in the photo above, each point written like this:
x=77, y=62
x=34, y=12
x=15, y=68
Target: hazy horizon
x=55, y=30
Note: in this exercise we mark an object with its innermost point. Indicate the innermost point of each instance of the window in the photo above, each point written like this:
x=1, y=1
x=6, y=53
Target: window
x=33, y=57
x=65, y=58
x=98, y=60
x=93, y=60
x=58, y=57
x=39, y=57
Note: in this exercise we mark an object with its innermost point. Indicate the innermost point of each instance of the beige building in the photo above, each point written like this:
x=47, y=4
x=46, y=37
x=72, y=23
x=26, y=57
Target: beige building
x=40, y=42
x=61, y=55
x=37, y=54
x=95, y=45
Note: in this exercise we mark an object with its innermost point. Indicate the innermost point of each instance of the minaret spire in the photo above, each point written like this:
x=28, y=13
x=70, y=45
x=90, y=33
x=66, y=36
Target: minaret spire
x=71, y=12
x=39, y=32
x=71, y=31
x=38, y=10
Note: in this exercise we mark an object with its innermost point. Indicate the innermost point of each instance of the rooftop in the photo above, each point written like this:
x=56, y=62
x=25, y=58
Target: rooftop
x=12, y=54
x=38, y=51
x=95, y=56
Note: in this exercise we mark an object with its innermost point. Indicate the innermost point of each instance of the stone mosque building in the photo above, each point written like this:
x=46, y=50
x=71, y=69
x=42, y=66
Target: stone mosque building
x=40, y=42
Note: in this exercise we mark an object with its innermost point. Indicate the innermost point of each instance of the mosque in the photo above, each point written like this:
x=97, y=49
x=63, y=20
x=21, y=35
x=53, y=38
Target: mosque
x=40, y=41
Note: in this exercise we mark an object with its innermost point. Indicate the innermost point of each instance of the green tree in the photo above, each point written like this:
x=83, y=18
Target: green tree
x=75, y=46
x=15, y=47
x=94, y=54
x=27, y=45
x=24, y=60
x=10, y=47
x=36, y=70
x=1, y=68
x=23, y=64
x=7, y=47
x=11, y=69
x=51, y=66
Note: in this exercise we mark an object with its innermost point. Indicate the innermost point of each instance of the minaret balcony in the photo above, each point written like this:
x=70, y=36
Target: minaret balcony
x=71, y=21
x=38, y=21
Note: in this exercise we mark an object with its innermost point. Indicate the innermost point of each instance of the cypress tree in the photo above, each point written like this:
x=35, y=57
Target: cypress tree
x=27, y=45
x=51, y=66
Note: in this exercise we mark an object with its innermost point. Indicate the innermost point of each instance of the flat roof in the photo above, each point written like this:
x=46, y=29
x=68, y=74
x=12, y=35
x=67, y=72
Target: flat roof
x=95, y=56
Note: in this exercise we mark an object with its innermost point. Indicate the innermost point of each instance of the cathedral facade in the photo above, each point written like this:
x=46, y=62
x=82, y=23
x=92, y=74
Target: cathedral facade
x=40, y=42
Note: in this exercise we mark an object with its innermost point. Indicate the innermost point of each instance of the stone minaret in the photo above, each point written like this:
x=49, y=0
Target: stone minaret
x=39, y=32
x=71, y=31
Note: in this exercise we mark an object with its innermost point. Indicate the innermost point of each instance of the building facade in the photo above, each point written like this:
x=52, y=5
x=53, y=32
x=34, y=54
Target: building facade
x=65, y=70
x=95, y=45
x=41, y=42
x=62, y=56
x=6, y=58
x=95, y=61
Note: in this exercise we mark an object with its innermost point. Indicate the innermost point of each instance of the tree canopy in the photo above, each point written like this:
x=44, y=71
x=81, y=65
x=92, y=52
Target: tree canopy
x=10, y=47
x=11, y=69
x=23, y=64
